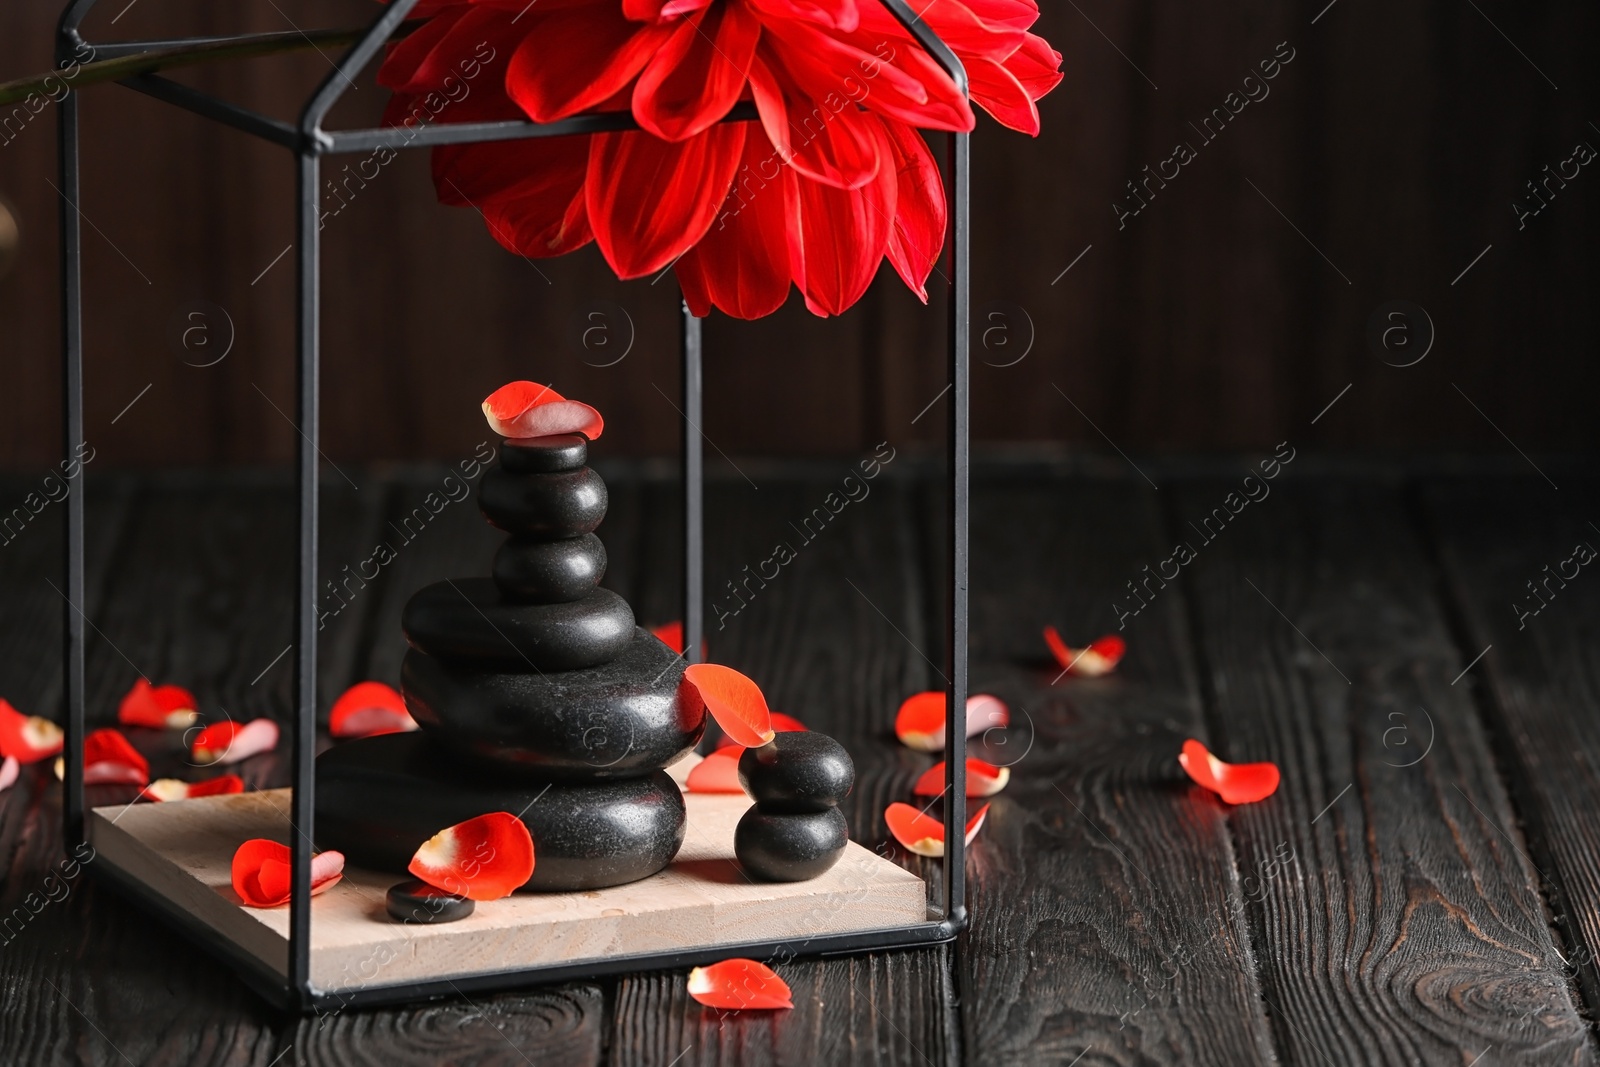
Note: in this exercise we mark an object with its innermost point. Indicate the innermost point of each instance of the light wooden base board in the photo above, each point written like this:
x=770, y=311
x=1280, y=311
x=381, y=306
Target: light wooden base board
x=183, y=850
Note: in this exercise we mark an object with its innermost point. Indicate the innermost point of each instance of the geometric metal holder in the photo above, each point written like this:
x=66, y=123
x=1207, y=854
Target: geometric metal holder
x=309, y=142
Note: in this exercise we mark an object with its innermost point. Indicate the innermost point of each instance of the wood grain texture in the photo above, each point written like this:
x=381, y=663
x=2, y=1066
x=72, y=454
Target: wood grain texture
x=1395, y=143
x=195, y=587
x=837, y=640
x=1537, y=679
x=1094, y=854
x=1395, y=913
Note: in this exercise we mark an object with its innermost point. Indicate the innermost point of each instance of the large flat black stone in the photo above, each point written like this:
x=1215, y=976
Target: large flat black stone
x=629, y=717
x=471, y=620
x=380, y=798
x=567, y=504
x=550, y=572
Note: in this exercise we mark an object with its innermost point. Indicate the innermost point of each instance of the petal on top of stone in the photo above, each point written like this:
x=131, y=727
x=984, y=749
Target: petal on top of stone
x=527, y=409
x=734, y=701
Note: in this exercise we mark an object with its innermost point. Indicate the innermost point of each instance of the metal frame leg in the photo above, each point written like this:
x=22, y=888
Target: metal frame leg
x=305, y=660
x=694, y=517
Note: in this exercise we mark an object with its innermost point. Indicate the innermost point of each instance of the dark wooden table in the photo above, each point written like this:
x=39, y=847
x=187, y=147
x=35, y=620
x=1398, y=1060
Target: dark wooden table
x=1423, y=888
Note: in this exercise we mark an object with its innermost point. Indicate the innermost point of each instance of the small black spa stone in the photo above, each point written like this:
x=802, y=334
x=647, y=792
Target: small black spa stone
x=774, y=847
x=797, y=771
x=380, y=798
x=550, y=572
x=544, y=455
x=568, y=504
x=418, y=902
x=470, y=620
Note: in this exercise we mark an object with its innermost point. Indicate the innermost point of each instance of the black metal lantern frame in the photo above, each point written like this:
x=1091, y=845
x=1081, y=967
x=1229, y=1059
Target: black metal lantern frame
x=309, y=143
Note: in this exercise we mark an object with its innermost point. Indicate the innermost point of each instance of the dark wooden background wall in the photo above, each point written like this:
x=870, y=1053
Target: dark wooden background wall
x=1226, y=314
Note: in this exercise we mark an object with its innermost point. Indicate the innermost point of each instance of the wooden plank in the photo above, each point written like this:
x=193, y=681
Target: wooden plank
x=1537, y=677
x=1396, y=916
x=701, y=900
x=197, y=593
x=1103, y=901
x=837, y=640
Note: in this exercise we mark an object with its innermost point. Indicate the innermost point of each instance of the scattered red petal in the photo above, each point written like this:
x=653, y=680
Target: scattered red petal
x=9, y=770
x=482, y=859
x=920, y=721
x=229, y=742
x=527, y=409
x=739, y=985
x=983, y=779
x=1236, y=783
x=717, y=773
x=109, y=759
x=164, y=789
x=1101, y=657
x=158, y=706
x=734, y=701
x=922, y=833
x=368, y=709
x=261, y=873
x=781, y=723
x=28, y=737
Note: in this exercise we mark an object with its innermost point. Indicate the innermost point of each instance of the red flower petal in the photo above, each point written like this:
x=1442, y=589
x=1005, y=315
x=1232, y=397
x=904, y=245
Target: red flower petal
x=717, y=773
x=919, y=219
x=157, y=707
x=27, y=737
x=739, y=985
x=166, y=789
x=920, y=721
x=745, y=263
x=1036, y=66
x=9, y=770
x=530, y=192
x=574, y=59
x=368, y=709
x=999, y=93
x=261, y=873
x=697, y=76
x=108, y=759
x=485, y=858
x=1236, y=783
x=835, y=145
x=983, y=779
x=650, y=200
x=522, y=410
x=781, y=723
x=843, y=15
x=1101, y=657
x=922, y=833
x=845, y=233
x=229, y=742
x=734, y=701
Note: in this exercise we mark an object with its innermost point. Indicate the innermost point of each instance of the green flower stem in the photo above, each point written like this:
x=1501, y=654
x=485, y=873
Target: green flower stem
x=110, y=70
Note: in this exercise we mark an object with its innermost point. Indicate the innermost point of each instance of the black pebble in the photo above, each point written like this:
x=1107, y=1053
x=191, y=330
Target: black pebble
x=469, y=620
x=789, y=848
x=544, y=455
x=568, y=504
x=550, y=572
x=418, y=902
x=797, y=771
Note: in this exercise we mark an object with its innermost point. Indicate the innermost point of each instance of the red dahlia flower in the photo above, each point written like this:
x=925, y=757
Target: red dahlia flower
x=834, y=177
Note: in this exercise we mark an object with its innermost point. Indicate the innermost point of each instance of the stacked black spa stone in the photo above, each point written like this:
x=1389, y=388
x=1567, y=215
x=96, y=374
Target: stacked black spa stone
x=537, y=695
x=794, y=831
